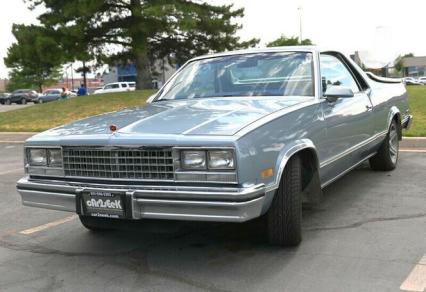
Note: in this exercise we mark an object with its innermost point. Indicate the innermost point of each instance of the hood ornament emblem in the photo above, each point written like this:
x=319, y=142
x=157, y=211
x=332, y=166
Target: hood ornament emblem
x=113, y=128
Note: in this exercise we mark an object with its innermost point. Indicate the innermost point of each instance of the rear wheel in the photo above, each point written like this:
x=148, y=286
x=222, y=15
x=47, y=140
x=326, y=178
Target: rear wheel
x=284, y=218
x=95, y=223
x=40, y=101
x=387, y=156
x=23, y=101
x=7, y=102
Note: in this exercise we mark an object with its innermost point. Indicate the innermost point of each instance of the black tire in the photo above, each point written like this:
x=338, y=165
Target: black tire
x=23, y=101
x=96, y=224
x=8, y=102
x=386, y=157
x=284, y=218
x=40, y=101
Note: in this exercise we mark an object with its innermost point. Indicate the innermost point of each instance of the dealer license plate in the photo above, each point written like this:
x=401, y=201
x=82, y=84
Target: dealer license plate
x=103, y=204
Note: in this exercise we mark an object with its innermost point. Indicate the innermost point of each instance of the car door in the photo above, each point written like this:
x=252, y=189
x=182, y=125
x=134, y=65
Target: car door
x=349, y=121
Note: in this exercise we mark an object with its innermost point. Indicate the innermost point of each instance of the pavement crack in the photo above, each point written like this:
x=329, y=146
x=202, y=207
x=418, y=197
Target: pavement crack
x=362, y=222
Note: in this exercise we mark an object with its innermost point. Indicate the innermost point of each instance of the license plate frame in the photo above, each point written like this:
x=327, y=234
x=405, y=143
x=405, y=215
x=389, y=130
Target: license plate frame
x=103, y=204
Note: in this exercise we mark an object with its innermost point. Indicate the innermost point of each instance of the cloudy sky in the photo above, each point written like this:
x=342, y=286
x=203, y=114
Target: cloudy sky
x=385, y=28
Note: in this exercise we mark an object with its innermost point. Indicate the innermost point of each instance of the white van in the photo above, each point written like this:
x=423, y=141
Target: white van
x=116, y=87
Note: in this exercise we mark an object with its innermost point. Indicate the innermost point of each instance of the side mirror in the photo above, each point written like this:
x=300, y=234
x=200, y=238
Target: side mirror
x=335, y=92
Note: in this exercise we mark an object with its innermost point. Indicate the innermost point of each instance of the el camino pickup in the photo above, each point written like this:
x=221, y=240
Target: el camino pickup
x=230, y=137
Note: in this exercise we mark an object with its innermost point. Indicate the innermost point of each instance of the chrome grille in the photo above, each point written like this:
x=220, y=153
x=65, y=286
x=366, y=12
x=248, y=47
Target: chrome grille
x=119, y=163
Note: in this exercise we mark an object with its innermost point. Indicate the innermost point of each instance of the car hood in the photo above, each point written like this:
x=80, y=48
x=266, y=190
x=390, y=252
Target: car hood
x=212, y=116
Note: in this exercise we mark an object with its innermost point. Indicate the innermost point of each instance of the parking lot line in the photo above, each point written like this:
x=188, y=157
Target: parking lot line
x=416, y=280
x=48, y=225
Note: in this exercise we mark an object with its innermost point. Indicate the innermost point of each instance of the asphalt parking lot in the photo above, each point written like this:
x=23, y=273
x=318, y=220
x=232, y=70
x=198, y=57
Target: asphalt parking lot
x=369, y=234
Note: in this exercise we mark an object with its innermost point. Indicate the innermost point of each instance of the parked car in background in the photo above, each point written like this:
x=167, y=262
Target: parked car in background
x=50, y=95
x=422, y=79
x=231, y=137
x=411, y=81
x=115, y=87
x=132, y=85
x=20, y=96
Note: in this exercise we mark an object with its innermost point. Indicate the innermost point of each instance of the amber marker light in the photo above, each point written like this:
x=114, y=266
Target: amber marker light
x=267, y=172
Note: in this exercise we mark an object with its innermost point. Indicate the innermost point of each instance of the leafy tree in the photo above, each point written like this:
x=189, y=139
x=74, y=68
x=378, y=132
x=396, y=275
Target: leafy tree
x=399, y=62
x=35, y=58
x=291, y=41
x=141, y=31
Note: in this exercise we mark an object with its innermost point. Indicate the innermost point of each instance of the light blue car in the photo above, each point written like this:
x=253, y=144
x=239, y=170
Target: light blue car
x=230, y=137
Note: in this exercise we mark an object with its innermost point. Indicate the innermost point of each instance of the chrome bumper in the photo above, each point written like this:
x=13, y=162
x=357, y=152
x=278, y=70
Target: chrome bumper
x=159, y=202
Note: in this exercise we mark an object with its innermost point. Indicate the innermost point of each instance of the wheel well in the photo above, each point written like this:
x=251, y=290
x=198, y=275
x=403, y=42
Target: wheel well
x=309, y=161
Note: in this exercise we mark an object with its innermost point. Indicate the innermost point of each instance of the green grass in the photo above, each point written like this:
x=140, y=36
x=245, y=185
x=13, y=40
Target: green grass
x=45, y=116
x=417, y=102
x=48, y=115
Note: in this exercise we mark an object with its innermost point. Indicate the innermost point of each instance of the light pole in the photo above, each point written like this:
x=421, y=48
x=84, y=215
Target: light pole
x=300, y=23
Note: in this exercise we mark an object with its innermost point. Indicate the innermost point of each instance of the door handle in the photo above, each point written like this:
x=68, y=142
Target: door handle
x=369, y=108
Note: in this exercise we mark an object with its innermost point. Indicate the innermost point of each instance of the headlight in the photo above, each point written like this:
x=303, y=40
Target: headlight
x=193, y=159
x=55, y=157
x=221, y=159
x=37, y=157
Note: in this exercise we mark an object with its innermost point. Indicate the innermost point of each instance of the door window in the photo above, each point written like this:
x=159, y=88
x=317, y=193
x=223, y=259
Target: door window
x=335, y=73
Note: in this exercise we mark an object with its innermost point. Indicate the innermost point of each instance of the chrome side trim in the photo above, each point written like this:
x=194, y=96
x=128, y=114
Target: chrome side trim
x=352, y=149
x=346, y=171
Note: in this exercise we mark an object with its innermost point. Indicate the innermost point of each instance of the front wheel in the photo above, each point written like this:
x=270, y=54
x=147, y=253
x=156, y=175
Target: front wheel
x=8, y=102
x=96, y=224
x=23, y=101
x=284, y=218
x=387, y=156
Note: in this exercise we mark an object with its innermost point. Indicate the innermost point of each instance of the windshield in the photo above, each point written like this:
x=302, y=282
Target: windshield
x=260, y=74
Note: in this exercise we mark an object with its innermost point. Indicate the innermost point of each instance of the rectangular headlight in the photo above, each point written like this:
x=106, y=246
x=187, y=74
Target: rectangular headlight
x=193, y=159
x=221, y=159
x=37, y=157
x=54, y=157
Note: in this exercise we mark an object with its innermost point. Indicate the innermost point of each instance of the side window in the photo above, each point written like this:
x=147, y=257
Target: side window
x=109, y=86
x=124, y=85
x=115, y=85
x=335, y=73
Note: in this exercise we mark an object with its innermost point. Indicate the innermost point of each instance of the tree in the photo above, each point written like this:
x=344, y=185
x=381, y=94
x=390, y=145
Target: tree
x=399, y=62
x=292, y=41
x=35, y=58
x=142, y=31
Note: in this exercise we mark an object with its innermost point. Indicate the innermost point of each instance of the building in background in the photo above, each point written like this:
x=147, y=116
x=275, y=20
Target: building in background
x=92, y=84
x=162, y=71
x=3, y=84
x=414, y=66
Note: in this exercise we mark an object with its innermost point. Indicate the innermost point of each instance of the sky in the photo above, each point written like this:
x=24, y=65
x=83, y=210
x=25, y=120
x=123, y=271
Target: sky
x=385, y=28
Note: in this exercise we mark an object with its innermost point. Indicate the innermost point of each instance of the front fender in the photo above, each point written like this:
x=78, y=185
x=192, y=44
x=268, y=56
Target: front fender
x=285, y=154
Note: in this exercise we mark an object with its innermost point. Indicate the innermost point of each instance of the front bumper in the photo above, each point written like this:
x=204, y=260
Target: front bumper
x=157, y=202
